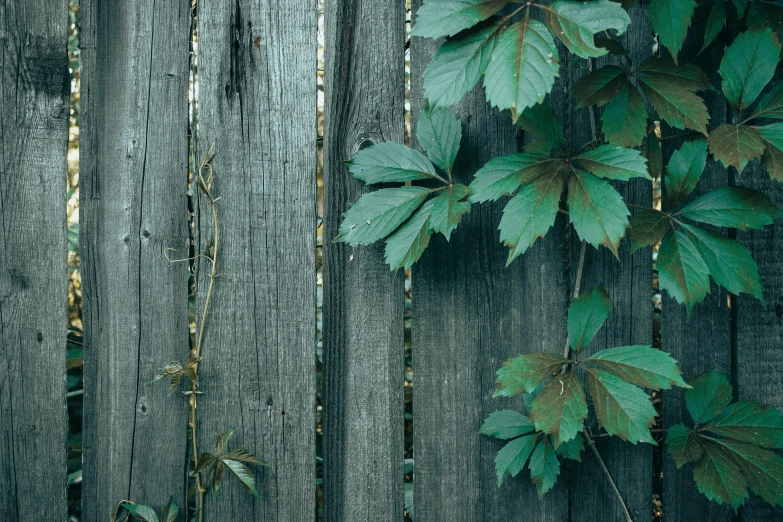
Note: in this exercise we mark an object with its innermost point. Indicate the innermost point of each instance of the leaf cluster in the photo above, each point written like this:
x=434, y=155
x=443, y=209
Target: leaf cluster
x=144, y=513
x=174, y=371
x=235, y=461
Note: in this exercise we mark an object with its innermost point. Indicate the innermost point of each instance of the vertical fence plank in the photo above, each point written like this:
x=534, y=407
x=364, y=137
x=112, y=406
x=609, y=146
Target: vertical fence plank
x=257, y=107
x=629, y=283
x=363, y=300
x=701, y=342
x=134, y=151
x=470, y=314
x=759, y=333
x=33, y=278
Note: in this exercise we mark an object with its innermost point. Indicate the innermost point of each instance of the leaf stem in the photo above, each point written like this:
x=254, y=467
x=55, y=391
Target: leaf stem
x=591, y=444
x=679, y=136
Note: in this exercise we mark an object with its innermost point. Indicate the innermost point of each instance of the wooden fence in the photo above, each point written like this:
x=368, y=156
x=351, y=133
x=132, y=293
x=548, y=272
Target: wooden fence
x=257, y=108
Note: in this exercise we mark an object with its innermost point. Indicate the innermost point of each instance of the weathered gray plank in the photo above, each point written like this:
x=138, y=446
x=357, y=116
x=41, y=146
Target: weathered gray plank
x=257, y=106
x=703, y=341
x=759, y=332
x=469, y=315
x=134, y=152
x=363, y=300
x=629, y=283
x=33, y=284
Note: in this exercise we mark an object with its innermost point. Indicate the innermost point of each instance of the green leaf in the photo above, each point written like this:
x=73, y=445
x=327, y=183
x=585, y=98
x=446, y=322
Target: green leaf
x=523, y=67
x=600, y=87
x=684, y=171
x=439, y=133
x=530, y=214
x=731, y=264
x=379, y=213
x=571, y=449
x=506, y=424
x=525, y=372
x=222, y=441
x=648, y=228
x=719, y=477
x=141, y=512
x=761, y=469
x=438, y=18
x=710, y=392
x=613, y=46
x=675, y=102
x=242, y=455
x=715, y=23
x=624, y=120
x=748, y=65
x=388, y=162
x=641, y=365
x=171, y=369
x=560, y=408
x=406, y=245
x=576, y=22
x=751, y=422
x=170, y=511
x=766, y=13
x=681, y=270
x=684, y=444
x=654, y=155
x=544, y=466
x=448, y=209
x=503, y=175
x=735, y=145
x=685, y=75
x=217, y=476
x=733, y=207
x=204, y=462
x=620, y=407
x=512, y=457
x=613, y=162
x=742, y=6
x=671, y=20
x=771, y=104
x=541, y=121
x=597, y=211
x=773, y=155
x=586, y=315
x=459, y=63
x=242, y=474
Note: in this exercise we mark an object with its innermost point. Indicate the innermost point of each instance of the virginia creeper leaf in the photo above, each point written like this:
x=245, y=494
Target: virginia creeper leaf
x=560, y=408
x=242, y=474
x=674, y=102
x=684, y=171
x=715, y=23
x=735, y=145
x=681, y=270
x=540, y=121
x=671, y=20
x=378, y=214
x=459, y=63
x=503, y=175
x=438, y=18
x=709, y=393
x=748, y=65
x=506, y=424
x=141, y=512
x=571, y=449
x=613, y=162
x=734, y=207
x=719, y=477
x=684, y=444
x=621, y=408
x=766, y=13
x=685, y=75
x=654, y=155
x=613, y=46
x=406, y=245
x=170, y=511
x=544, y=466
x=586, y=315
x=525, y=373
x=204, y=461
x=648, y=228
x=624, y=120
x=512, y=457
x=742, y=6
x=222, y=441
x=523, y=67
x=530, y=214
x=641, y=365
x=439, y=133
x=773, y=155
x=599, y=87
x=448, y=209
x=751, y=422
x=597, y=211
x=389, y=161
x=241, y=455
x=576, y=22
x=771, y=104
x=217, y=476
x=762, y=469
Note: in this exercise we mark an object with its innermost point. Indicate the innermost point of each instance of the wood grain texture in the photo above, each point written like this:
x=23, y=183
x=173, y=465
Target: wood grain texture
x=34, y=86
x=133, y=206
x=470, y=314
x=703, y=341
x=629, y=283
x=257, y=106
x=363, y=300
x=759, y=332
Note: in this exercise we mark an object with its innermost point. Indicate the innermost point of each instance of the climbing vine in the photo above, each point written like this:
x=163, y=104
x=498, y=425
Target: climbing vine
x=511, y=44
